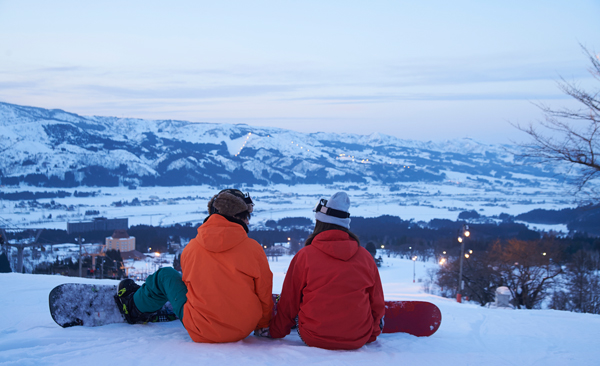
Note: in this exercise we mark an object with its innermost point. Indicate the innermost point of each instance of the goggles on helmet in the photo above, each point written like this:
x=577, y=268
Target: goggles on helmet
x=322, y=208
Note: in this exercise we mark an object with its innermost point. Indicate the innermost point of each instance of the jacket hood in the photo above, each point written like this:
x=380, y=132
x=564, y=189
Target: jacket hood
x=336, y=243
x=218, y=234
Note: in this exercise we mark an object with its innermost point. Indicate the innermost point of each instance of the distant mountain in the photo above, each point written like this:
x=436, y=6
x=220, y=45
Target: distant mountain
x=54, y=148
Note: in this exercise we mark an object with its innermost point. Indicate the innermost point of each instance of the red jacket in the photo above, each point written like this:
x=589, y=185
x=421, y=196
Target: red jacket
x=333, y=286
x=229, y=283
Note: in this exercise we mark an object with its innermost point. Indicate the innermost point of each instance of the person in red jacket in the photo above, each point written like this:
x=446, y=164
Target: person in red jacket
x=225, y=291
x=332, y=286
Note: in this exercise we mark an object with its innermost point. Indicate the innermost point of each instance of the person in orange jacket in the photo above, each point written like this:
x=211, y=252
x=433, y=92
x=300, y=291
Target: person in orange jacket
x=225, y=290
x=332, y=290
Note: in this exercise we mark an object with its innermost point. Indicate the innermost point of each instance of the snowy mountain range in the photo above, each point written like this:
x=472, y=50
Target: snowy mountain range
x=54, y=148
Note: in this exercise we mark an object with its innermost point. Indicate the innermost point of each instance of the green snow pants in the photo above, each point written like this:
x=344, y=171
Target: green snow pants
x=162, y=286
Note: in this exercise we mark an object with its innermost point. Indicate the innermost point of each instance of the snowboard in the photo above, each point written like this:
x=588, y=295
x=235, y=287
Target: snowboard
x=418, y=318
x=78, y=304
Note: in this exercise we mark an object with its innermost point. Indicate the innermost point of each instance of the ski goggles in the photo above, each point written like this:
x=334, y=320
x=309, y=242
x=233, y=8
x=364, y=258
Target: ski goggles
x=321, y=207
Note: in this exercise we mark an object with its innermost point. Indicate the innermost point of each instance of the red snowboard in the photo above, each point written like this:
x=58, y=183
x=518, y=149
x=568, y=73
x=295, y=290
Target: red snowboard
x=419, y=318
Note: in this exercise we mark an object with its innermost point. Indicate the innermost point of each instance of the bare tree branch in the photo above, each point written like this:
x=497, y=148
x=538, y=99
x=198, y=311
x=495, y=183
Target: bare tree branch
x=568, y=135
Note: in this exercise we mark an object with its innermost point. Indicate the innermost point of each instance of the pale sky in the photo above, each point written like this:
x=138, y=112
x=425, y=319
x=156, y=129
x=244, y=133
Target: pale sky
x=426, y=70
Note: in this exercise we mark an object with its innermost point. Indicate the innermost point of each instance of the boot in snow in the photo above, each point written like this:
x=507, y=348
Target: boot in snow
x=124, y=299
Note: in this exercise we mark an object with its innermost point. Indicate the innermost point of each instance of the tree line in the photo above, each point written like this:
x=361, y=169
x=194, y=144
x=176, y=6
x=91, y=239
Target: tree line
x=534, y=271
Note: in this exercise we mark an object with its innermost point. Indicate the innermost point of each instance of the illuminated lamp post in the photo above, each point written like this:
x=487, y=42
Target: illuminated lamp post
x=466, y=233
x=80, y=241
x=414, y=265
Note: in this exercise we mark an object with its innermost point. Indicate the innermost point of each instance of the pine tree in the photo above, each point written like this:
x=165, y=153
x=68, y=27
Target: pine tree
x=584, y=283
x=4, y=264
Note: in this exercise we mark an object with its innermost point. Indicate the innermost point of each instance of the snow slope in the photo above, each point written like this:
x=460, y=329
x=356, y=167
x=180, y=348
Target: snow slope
x=469, y=334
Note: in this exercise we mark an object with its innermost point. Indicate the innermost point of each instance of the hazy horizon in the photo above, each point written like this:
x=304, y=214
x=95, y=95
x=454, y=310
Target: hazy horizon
x=426, y=71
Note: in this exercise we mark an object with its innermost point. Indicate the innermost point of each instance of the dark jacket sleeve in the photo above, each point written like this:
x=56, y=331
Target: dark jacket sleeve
x=377, y=303
x=291, y=296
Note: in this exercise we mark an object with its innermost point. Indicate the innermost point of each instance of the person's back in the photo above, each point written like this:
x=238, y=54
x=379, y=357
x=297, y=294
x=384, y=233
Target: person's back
x=225, y=290
x=332, y=285
x=222, y=268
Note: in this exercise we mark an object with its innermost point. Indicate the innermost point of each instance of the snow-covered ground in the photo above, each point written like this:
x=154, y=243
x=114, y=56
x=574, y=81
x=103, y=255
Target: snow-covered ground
x=469, y=334
x=163, y=206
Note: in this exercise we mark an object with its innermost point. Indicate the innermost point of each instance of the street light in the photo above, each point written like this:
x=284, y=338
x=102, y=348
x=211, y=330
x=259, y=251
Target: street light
x=464, y=231
x=80, y=242
x=443, y=258
x=414, y=265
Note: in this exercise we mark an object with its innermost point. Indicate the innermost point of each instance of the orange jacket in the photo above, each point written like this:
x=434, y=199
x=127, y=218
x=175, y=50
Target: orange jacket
x=229, y=283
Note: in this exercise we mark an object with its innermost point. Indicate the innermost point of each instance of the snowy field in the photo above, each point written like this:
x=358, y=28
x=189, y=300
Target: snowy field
x=469, y=334
x=164, y=206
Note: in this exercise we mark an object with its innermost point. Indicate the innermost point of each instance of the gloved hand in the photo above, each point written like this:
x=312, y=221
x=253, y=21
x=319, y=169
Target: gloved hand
x=262, y=332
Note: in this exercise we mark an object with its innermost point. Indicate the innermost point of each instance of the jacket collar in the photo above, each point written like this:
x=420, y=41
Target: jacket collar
x=231, y=219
